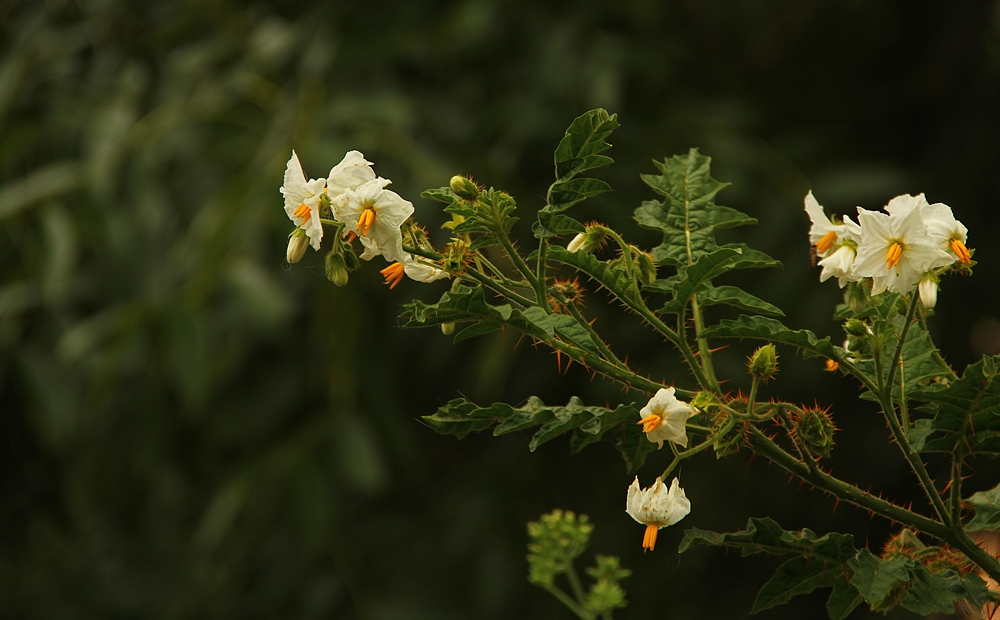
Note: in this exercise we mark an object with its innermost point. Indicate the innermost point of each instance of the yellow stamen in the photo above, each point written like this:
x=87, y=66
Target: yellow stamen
x=302, y=212
x=649, y=538
x=351, y=236
x=893, y=255
x=832, y=365
x=961, y=251
x=393, y=274
x=366, y=220
x=650, y=422
x=826, y=242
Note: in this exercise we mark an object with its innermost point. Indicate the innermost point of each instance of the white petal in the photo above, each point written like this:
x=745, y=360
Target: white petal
x=351, y=173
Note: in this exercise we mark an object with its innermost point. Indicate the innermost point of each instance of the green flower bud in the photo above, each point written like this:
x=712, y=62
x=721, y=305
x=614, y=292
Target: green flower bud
x=856, y=328
x=448, y=328
x=814, y=427
x=297, y=244
x=856, y=296
x=464, y=187
x=556, y=539
x=764, y=363
x=647, y=269
x=336, y=270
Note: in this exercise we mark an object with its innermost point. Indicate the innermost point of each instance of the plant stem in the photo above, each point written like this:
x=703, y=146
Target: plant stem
x=753, y=396
x=709, y=441
x=499, y=289
x=897, y=358
x=704, y=352
x=601, y=345
x=540, y=288
x=568, y=601
x=621, y=374
x=574, y=583
x=520, y=265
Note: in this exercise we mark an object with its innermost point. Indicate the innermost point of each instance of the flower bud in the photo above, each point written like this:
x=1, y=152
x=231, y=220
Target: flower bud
x=928, y=288
x=448, y=328
x=336, y=270
x=857, y=297
x=856, y=328
x=297, y=244
x=764, y=363
x=577, y=243
x=647, y=270
x=814, y=427
x=464, y=187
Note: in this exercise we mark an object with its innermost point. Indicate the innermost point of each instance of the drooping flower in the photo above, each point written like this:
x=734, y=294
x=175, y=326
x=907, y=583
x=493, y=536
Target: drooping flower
x=415, y=268
x=839, y=263
x=664, y=418
x=376, y=214
x=302, y=200
x=896, y=249
x=656, y=507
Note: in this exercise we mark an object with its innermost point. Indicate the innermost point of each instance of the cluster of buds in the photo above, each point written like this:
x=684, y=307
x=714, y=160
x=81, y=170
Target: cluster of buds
x=813, y=429
x=903, y=249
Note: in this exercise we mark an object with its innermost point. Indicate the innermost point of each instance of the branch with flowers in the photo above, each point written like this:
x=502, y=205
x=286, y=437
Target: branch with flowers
x=889, y=264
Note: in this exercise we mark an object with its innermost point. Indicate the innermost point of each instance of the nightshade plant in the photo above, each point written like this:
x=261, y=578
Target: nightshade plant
x=889, y=264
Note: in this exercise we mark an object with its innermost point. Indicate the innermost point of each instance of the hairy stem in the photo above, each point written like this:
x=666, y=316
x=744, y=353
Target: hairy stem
x=704, y=352
x=540, y=287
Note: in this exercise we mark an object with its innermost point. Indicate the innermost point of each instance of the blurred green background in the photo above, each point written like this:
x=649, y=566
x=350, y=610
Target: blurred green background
x=190, y=429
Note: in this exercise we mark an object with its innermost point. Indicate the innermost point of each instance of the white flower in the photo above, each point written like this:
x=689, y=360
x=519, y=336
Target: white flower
x=823, y=234
x=656, y=507
x=896, y=250
x=297, y=244
x=351, y=173
x=840, y=262
x=302, y=200
x=664, y=418
x=577, y=243
x=950, y=234
x=928, y=289
x=376, y=214
x=418, y=269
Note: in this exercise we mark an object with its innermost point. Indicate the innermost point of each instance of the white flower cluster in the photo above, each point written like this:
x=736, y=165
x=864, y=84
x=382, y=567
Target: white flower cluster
x=907, y=245
x=357, y=198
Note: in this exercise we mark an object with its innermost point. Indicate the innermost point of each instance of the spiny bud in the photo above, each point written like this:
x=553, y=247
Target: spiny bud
x=448, y=328
x=764, y=362
x=856, y=328
x=704, y=400
x=814, y=427
x=949, y=559
x=336, y=270
x=857, y=297
x=592, y=237
x=464, y=187
x=297, y=244
x=903, y=544
x=647, y=269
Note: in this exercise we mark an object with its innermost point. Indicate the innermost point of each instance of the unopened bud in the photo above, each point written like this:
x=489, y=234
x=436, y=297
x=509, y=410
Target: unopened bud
x=815, y=429
x=589, y=240
x=297, y=244
x=647, y=270
x=764, y=362
x=464, y=187
x=448, y=328
x=336, y=270
x=857, y=296
x=928, y=289
x=856, y=328
x=577, y=243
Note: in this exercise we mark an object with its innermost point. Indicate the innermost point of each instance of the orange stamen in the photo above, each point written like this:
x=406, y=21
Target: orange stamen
x=393, y=274
x=650, y=422
x=826, y=242
x=351, y=236
x=302, y=212
x=832, y=365
x=893, y=255
x=649, y=538
x=961, y=251
x=366, y=220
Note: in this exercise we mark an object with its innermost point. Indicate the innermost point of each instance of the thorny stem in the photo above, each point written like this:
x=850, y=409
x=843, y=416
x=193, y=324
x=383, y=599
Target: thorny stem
x=704, y=352
x=897, y=357
x=521, y=266
x=500, y=290
x=543, y=301
x=753, y=395
x=709, y=441
x=620, y=374
x=601, y=345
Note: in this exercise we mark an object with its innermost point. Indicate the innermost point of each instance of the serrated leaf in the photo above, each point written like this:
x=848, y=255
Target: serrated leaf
x=843, y=599
x=738, y=298
x=918, y=435
x=688, y=216
x=967, y=412
x=555, y=225
x=441, y=194
x=580, y=148
x=608, y=275
x=987, y=510
x=565, y=194
x=797, y=576
x=763, y=328
x=692, y=278
x=460, y=417
x=876, y=579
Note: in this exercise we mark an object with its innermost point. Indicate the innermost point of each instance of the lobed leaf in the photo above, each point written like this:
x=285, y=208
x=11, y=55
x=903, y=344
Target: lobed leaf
x=987, y=510
x=967, y=412
x=763, y=328
x=691, y=279
x=580, y=148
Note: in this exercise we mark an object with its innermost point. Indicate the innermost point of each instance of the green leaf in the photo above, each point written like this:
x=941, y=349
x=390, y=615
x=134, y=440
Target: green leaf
x=692, y=278
x=917, y=435
x=587, y=425
x=763, y=328
x=688, y=216
x=967, y=412
x=580, y=148
x=987, y=510
x=608, y=274
x=565, y=194
x=555, y=225
x=818, y=561
x=738, y=298
x=489, y=217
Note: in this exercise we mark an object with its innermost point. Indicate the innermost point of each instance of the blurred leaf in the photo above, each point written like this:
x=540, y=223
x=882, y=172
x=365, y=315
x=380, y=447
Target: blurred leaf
x=762, y=328
x=967, y=412
x=987, y=510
